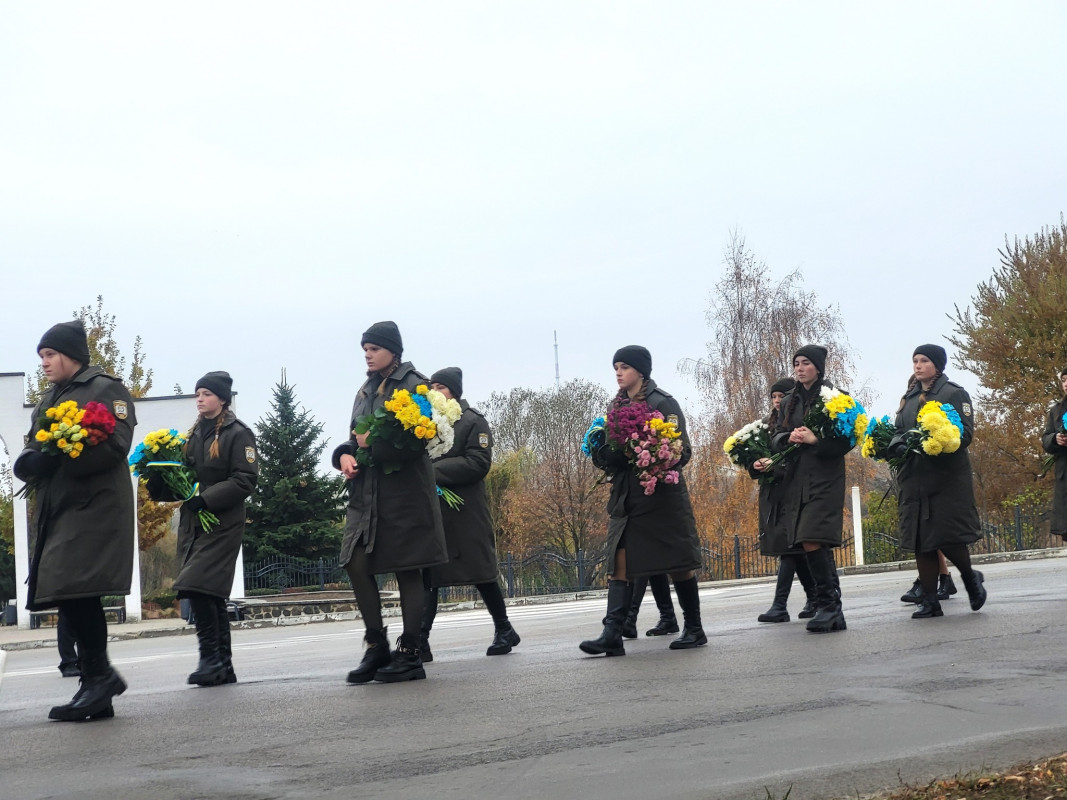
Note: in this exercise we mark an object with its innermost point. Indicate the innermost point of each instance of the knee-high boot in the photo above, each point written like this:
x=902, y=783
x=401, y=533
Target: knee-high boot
x=829, y=616
x=210, y=671
x=689, y=599
x=629, y=625
x=225, y=647
x=779, y=612
x=429, y=614
x=620, y=596
x=800, y=563
x=668, y=622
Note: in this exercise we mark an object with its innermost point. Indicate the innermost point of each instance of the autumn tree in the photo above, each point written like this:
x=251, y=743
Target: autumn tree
x=7, y=538
x=1012, y=338
x=555, y=500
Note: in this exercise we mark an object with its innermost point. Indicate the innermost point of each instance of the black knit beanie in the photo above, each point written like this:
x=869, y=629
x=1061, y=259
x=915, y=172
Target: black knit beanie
x=452, y=377
x=816, y=354
x=69, y=339
x=935, y=353
x=636, y=356
x=784, y=385
x=219, y=384
x=384, y=334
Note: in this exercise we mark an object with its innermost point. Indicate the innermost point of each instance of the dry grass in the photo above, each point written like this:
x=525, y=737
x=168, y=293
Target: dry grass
x=1044, y=780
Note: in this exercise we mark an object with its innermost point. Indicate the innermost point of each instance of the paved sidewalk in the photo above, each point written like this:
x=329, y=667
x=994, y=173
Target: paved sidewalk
x=13, y=638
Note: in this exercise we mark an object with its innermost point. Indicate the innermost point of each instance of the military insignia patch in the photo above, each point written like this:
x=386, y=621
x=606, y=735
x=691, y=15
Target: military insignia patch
x=121, y=411
x=483, y=439
x=966, y=409
x=673, y=419
x=250, y=454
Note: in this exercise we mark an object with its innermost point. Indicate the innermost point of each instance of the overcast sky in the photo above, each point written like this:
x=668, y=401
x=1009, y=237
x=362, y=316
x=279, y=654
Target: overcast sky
x=250, y=185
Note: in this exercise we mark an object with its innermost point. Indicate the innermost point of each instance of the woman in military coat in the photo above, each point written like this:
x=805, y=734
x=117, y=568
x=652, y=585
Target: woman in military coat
x=812, y=500
x=84, y=516
x=936, y=493
x=472, y=559
x=648, y=534
x=393, y=521
x=1054, y=442
x=221, y=450
x=773, y=534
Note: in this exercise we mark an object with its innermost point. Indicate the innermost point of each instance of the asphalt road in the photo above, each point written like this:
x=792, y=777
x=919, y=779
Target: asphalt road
x=762, y=710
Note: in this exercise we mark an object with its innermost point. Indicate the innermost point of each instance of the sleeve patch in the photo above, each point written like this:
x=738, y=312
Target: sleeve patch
x=483, y=439
x=250, y=455
x=121, y=411
x=966, y=409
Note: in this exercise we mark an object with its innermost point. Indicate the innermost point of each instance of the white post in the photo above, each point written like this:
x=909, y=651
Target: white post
x=857, y=525
x=238, y=590
x=22, y=558
x=133, y=599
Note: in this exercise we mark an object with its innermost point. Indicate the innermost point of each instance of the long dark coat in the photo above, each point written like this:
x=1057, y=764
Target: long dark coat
x=85, y=509
x=208, y=558
x=811, y=503
x=773, y=532
x=659, y=529
x=1054, y=425
x=936, y=493
x=468, y=530
x=396, y=516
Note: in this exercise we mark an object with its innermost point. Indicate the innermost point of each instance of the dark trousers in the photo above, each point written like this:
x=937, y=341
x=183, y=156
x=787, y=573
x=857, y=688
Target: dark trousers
x=68, y=651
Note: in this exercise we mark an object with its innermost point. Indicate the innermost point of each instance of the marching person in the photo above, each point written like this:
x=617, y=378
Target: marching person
x=472, y=558
x=936, y=493
x=84, y=516
x=393, y=523
x=812, y=497
x=773, y=535
x=1054, y=442
x=649, y=534
x=221, y=450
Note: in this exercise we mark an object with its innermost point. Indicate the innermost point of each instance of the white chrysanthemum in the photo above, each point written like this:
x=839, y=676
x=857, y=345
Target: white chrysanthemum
x=443, y=441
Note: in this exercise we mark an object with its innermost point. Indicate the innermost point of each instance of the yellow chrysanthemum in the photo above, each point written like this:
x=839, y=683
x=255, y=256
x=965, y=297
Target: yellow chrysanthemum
x=728, y=445
x=861, y=426
x=932, y=447
x=420, y=432
x=42, y=436
x=839, y=404
x=422, y=389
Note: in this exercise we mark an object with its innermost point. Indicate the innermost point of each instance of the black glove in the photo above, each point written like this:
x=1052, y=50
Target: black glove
x=608, y=459
x=195, y=504
x=155, y=485
x=34, y=464
x=898, y=448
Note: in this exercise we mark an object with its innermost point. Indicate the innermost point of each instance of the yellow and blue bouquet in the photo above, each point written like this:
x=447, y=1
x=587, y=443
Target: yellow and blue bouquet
x=940, y=429
x=833, y=414
x=164, y=452
x=409, y=421
x=876, y=440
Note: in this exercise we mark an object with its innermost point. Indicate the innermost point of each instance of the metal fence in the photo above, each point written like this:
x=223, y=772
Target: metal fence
x=551, y=573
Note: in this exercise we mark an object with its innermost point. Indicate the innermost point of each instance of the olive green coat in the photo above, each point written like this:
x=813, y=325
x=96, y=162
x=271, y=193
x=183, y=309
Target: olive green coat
x=208, y=558
x=395, y=516
x=85, y=522
x=468, y=529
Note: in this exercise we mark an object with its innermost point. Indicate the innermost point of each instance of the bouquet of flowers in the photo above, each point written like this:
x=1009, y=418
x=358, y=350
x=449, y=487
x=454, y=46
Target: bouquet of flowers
x=1049, y=460
x=749, y=444
x=66, y=429
x=940, y=428
x=832, y=414
x=594, y=437
x=879, y=434
x=652, y=445
x=410, y=422
x=163, y=450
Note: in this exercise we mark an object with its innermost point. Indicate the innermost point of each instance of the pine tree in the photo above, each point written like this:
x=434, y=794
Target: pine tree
x=295, y=510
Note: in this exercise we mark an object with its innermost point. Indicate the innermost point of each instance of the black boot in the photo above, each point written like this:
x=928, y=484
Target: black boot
x=406, y=664
x=225, y=646
x=668, y=622
x=375, y=656
x=689, y=599
x=629, y=625
x=945, y=587
x=429, y=613
x=620, y=597
x=779, y=612
x=800, y=564
x=929, y=607
x=975, y=586
x=99, y=684
x=829, y=616
x=504, y=639
x=914, y=594
x=210, y=671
